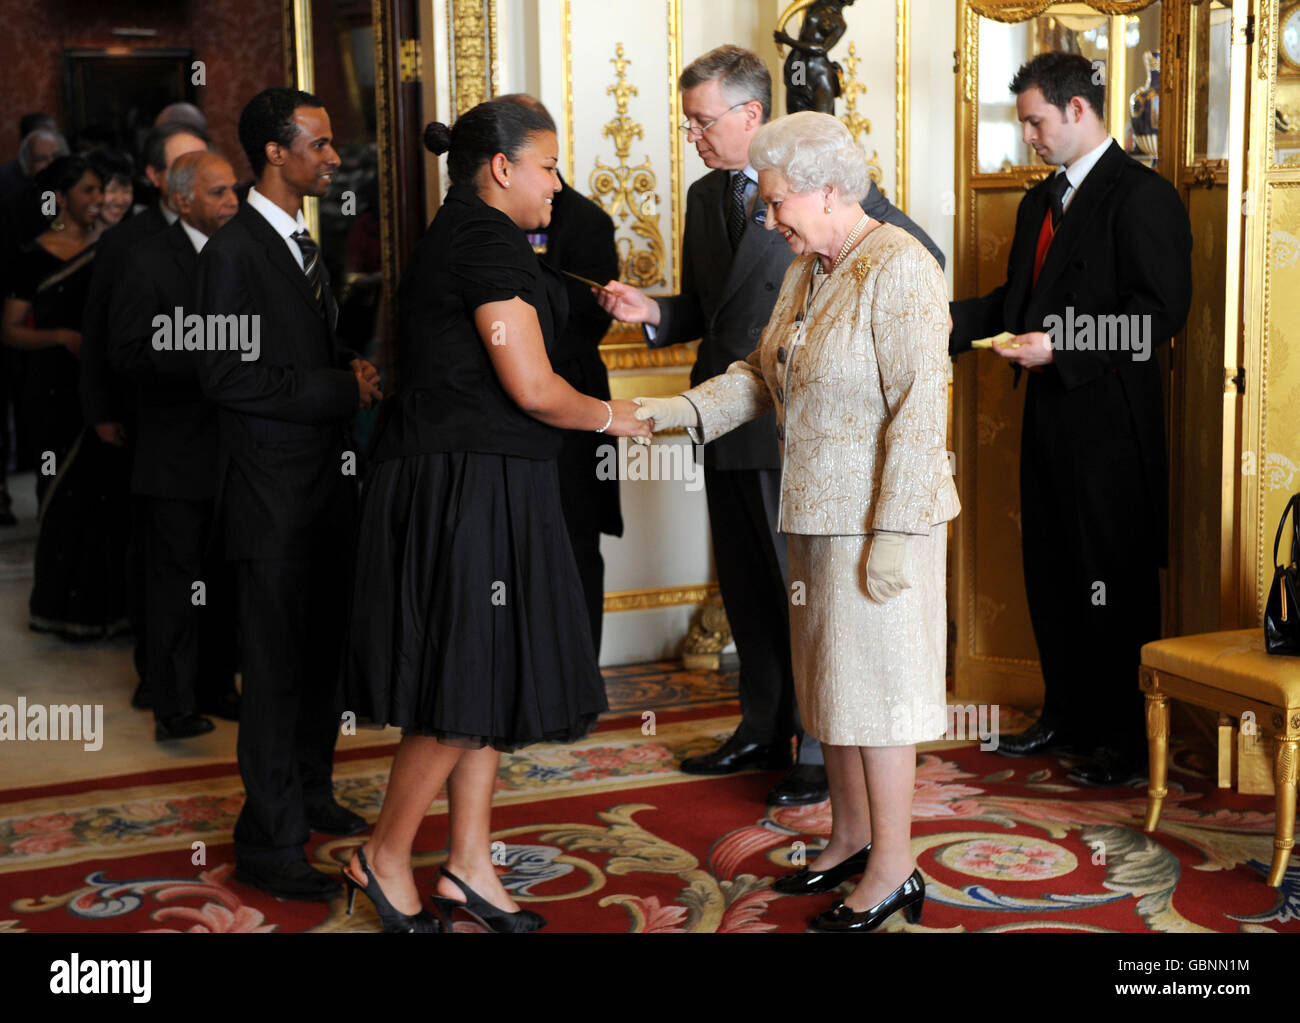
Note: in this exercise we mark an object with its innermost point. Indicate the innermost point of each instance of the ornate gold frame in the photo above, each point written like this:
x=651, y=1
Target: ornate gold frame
x=1286, y=68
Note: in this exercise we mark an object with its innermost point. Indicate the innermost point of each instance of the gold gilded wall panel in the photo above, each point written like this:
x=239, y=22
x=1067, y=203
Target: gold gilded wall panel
x=996, y=658
x=1197, y=465
x=1279, y=437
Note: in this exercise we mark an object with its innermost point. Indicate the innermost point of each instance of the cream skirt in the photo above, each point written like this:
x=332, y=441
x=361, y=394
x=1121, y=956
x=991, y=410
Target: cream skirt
x=868, y=674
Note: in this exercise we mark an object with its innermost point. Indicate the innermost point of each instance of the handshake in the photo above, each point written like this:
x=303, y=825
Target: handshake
x=641, y=417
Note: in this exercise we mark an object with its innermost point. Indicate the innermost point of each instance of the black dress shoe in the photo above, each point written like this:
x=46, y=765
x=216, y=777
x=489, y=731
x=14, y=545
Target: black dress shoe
x=802, y=785
x=335, y=820
x=1035, y=740
x=225, y=706
x=181, y=726
x=734, y=755
x=908, y=896
x=297, y=880
x=1110, y=767
x=816, y=882
x=142, y=698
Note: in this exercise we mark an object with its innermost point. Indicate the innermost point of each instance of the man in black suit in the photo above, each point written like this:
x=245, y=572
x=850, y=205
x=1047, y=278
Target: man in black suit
x=189, y=645
x=107, y=400
x=286, y=488
x=580, y=239
x=731, y=275
x=1099, y=273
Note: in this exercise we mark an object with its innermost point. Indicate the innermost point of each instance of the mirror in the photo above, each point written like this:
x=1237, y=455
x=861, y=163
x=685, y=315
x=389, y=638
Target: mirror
x=1209, y=65
x=1073, y=28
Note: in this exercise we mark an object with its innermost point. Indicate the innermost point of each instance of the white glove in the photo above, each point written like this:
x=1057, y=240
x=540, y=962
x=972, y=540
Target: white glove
x=885, y=578
x=668, y=412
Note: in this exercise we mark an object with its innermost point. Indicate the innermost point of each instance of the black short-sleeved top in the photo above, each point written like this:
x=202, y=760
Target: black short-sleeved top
x=449, y=396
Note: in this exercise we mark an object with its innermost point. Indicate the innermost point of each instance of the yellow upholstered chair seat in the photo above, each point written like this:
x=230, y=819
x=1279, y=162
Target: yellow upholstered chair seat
x=1232, y=661
x=1228, y=672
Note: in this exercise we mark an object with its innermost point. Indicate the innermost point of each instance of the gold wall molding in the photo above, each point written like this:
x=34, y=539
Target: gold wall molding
x=624, y=191
x=472, y=26
x=678, y=218
x=305, y=79
x=566, y=65
x=386, y=152
x=850, y=89
x=1264, y=52
x=657, y=597
x=1012, y=11
x=902, y=109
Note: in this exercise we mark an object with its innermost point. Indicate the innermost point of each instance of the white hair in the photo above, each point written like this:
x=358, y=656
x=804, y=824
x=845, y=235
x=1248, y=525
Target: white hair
x=25, y=158
x=812, y=150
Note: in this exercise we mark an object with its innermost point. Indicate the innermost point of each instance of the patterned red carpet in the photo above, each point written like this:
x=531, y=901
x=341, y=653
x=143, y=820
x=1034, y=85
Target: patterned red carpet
x=607, y=836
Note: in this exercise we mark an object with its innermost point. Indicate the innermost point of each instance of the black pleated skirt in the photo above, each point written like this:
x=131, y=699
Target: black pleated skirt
x=467, y=617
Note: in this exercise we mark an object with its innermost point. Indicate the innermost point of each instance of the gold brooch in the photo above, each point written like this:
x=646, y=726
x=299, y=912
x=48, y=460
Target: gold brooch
x=860, y=267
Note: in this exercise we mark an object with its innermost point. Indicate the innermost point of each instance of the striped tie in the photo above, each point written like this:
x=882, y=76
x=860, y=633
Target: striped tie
x=310, y=260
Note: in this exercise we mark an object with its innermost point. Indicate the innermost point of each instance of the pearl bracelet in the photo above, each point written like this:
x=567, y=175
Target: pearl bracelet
x=610, y=409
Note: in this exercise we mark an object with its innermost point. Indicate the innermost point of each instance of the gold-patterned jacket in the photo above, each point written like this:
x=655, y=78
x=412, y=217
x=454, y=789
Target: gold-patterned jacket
x=860, y=389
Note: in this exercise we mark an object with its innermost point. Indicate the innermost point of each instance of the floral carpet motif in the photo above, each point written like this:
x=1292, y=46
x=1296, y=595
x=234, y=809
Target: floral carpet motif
x=609, y=836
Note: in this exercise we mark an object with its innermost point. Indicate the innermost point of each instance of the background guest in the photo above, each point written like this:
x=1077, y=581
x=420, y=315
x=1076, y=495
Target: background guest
x=117, y=171
x=107, y=399
x=189, y=647
x=287, y=508
x=23, y=215
x=79, y=589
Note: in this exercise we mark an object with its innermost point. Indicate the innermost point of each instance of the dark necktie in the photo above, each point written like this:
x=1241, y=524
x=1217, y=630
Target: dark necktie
x=736, y=209
x=1051, y=220
x=1056, y=192
x=310, y=261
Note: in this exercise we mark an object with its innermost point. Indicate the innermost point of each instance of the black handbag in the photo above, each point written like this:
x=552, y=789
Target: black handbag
x=1282, y=612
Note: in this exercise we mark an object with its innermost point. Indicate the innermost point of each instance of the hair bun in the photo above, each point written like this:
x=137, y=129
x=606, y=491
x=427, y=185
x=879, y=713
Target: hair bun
x=437, y=137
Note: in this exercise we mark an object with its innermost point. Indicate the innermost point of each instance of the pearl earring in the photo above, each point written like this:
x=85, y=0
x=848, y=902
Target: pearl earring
x=828, y=209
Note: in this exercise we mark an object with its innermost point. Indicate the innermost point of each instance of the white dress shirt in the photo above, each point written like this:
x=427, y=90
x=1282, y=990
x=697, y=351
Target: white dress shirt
x=285, y=225
x=1077, y=171
x=169, y=215
x=197, y=238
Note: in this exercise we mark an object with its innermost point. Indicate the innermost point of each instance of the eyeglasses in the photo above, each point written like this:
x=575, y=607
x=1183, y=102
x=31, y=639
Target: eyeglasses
x=688, y=128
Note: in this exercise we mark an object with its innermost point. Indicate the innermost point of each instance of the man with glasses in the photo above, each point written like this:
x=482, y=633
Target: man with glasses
x=731, y=275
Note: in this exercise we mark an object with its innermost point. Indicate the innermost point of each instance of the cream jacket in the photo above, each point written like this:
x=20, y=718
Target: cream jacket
x=860, y=388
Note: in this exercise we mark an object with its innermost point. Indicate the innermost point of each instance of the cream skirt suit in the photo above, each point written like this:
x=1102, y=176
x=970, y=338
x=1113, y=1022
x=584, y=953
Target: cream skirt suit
x=855, y=364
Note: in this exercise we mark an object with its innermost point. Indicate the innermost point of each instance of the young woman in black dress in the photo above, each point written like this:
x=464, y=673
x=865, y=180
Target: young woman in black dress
x=468, y=627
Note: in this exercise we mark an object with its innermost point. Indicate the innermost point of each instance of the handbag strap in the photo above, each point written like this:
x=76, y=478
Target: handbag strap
x=1295, y=529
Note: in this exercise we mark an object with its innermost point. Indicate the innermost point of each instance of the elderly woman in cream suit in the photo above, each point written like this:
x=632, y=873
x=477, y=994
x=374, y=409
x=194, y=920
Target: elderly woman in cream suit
x=855, y=362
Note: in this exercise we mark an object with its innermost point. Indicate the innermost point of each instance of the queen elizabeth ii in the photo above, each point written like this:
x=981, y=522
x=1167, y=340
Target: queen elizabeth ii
x=855, y=363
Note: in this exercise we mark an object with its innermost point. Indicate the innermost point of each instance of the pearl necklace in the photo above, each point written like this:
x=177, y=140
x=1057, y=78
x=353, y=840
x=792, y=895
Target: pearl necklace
x=849, y=241
x=846, y=247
